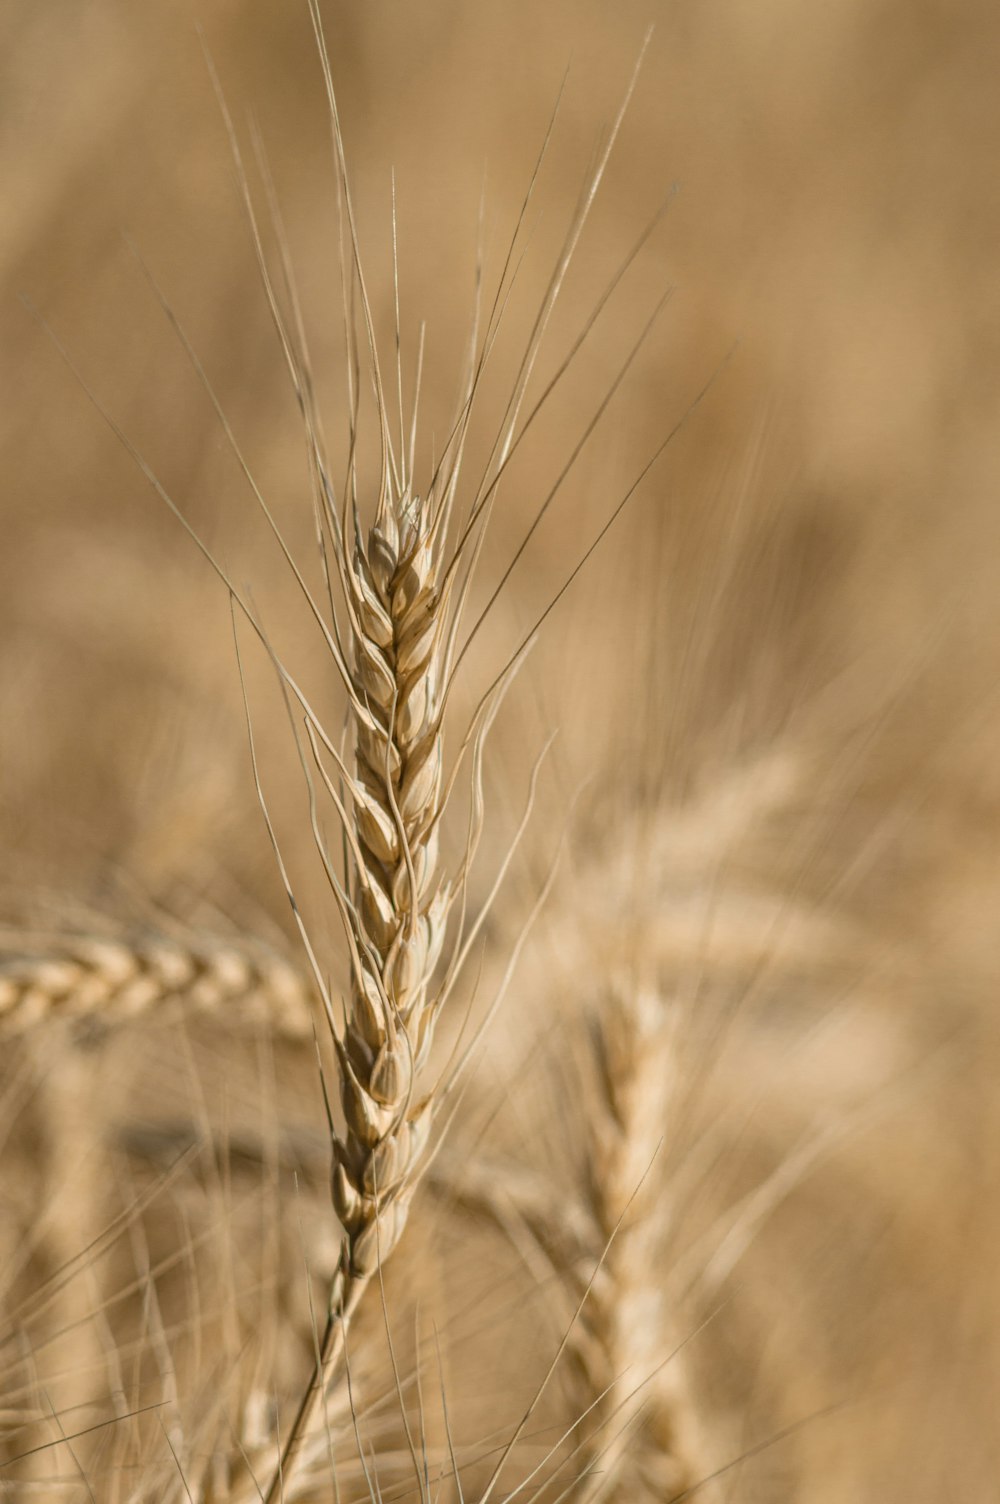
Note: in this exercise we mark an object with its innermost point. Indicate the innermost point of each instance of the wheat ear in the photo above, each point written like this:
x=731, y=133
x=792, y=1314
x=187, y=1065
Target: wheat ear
x=396, y=898
x=401, y=901
x=106, y=980
x=641, y=1444
x=637, y=1438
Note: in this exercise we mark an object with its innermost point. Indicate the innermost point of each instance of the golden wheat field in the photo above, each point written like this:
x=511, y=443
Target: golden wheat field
x=500, y=752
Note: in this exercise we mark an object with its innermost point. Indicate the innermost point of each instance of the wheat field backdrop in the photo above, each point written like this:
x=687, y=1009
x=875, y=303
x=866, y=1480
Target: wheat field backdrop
x=684, y=1183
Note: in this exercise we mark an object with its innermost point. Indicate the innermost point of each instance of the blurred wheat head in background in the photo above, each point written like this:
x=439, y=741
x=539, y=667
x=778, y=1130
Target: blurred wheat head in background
x=609, y=1114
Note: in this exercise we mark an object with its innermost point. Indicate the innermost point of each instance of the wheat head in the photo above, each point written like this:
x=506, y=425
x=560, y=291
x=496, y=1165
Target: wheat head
x=103, y=980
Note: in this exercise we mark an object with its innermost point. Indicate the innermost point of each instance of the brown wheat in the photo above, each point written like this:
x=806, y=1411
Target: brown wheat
x=105, y=980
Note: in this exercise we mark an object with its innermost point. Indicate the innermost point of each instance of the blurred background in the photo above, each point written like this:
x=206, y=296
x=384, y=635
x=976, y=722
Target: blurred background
x=810, y=572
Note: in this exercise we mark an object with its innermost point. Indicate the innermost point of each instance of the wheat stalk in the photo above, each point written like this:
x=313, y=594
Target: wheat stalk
x=405, y=580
